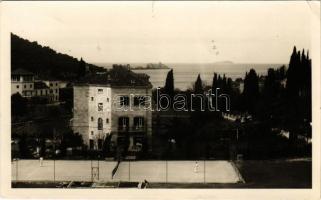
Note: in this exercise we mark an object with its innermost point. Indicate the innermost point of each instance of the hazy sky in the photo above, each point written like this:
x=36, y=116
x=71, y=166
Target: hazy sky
x=246, y=32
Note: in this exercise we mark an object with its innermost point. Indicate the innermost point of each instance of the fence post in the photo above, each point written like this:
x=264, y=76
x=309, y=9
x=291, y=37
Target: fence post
x=166, y=171
x=17, y=170
x=204, y=171
x=91, y=170
x=54, y=156
x=98, y=166
x=54, y=170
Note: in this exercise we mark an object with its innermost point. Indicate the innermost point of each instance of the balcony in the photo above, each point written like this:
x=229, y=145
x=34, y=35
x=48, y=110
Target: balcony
x=132, y=129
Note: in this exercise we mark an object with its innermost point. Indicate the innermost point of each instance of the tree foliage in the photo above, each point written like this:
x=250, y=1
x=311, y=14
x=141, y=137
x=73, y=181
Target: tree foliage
x=45, y=62
x=169, y=84
x=198, y=86
x=18, y=105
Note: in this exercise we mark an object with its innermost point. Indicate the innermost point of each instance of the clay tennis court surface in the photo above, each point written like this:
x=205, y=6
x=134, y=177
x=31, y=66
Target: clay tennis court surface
x=153, y=171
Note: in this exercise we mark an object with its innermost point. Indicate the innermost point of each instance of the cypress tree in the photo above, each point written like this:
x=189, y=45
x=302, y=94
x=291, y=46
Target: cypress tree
x=229, y=87
x=251, y=90
x=214, y=84
x=169, y=84
x=298, y=89
x=224, y=84
x=219, y=82
x=293, y=74
x=82, y=68
x=198, y=86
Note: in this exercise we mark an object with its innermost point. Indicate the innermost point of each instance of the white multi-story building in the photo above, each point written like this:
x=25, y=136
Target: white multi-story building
x=54, y=86
x=98, y=112
x=92, y=113
x=24, y=83
x=43, y=91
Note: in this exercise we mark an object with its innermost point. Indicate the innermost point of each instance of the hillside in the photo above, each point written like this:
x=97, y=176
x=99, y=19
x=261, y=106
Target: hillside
x=45, y=62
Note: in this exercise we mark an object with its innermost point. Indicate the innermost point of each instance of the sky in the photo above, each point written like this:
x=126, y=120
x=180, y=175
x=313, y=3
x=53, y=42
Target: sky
x=168, y=32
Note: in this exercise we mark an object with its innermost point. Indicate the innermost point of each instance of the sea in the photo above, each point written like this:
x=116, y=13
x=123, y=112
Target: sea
x=185, y=74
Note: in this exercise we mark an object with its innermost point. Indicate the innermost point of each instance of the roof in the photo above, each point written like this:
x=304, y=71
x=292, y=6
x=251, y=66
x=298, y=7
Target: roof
x=21, y=71
x=40, y=85
x=118, y=76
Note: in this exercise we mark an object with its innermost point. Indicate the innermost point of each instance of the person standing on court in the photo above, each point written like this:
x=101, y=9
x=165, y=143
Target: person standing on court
x=196, y=167
x=41, y=161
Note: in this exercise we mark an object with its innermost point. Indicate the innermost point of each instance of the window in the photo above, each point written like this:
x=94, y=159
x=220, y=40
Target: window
x=27, y=78
x=107, y=99
x=57, y=91
x=30, y=85
x=139, y=100
x=100, y=124
x=51, y=91
x=92, y=119
x=100, y=107
x=51, y=84
x=15, y=78
x=91, y=144
x=100, y=90
x=40, y=92
x=17, y=86
x=107, y=120
x=138, y=122
x=92, y=98
x=123, y=123
x=56, y=84
x=92, y=132
x=24, y=86
x=124, y=101
x=100, y=143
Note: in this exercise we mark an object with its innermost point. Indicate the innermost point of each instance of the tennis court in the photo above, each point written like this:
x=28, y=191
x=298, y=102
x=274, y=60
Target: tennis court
x=152, y=171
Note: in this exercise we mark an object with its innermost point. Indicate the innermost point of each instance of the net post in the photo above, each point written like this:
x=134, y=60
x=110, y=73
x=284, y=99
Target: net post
x=129, y=170
x=166, y=171
x=17, y=170
x=204, y=170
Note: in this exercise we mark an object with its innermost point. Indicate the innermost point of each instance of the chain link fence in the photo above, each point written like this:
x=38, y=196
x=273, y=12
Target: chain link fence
x=102, y=171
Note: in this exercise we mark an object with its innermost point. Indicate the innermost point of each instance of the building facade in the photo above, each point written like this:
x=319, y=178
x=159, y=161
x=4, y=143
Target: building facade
x=54, y=86
x=22, y=82
x=105, y=107
x=92, y=114
x=43, y=91
x=132, y=115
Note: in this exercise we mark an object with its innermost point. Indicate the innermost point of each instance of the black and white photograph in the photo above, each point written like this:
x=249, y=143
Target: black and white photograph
x=149, y=95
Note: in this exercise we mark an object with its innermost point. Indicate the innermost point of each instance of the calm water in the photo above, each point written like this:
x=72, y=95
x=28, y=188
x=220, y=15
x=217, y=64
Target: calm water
x=186, y=74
